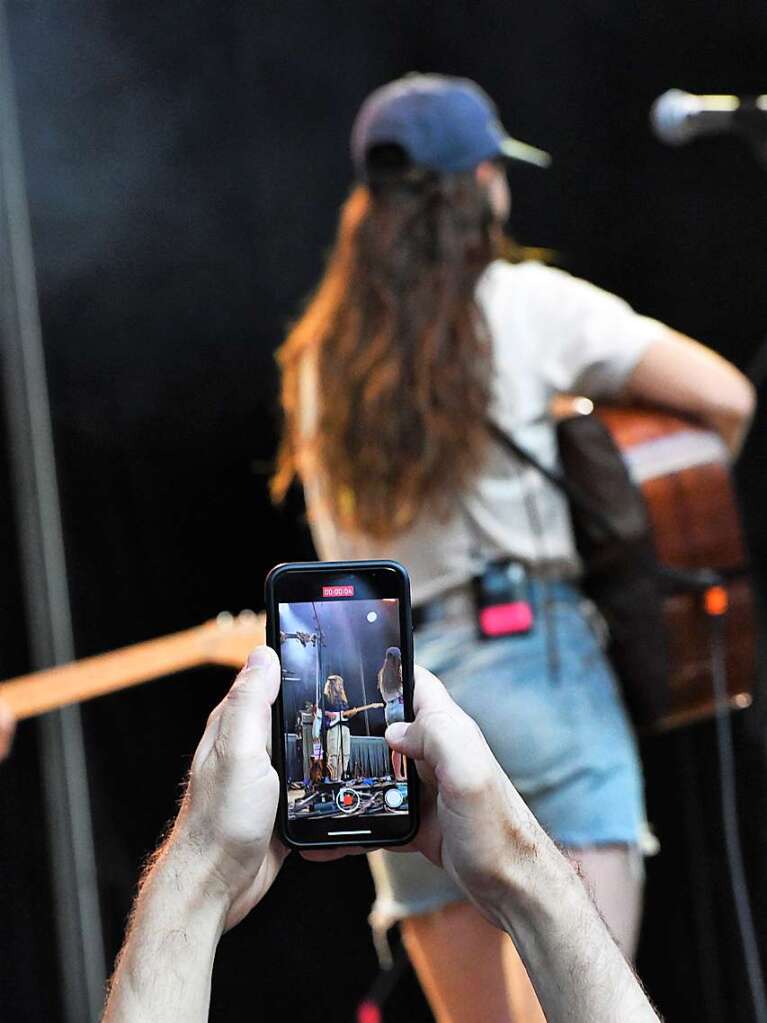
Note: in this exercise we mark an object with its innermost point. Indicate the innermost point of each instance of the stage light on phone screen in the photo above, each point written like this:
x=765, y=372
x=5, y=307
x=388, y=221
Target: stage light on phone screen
x=372, y=617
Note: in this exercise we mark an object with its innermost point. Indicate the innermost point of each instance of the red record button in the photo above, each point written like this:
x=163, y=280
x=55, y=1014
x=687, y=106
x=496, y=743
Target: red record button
x=347, y=800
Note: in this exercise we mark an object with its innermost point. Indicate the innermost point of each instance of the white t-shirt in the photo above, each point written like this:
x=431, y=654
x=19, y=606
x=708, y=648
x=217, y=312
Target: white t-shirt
x=552, y=333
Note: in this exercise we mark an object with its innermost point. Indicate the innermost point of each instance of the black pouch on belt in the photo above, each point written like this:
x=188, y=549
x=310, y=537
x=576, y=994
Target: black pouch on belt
x=502, y=599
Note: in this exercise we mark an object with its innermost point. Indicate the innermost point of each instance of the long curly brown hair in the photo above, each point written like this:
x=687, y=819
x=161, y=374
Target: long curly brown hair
x=401, y=354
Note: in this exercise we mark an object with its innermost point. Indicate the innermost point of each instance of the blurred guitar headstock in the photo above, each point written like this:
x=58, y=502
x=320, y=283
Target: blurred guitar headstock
x=228, y=639
x=568, y=406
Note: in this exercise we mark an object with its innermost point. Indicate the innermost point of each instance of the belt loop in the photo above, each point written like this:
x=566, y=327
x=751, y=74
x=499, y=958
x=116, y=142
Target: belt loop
x=550, y=628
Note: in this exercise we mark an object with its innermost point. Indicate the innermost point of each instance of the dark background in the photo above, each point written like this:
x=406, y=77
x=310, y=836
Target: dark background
x=185, y=165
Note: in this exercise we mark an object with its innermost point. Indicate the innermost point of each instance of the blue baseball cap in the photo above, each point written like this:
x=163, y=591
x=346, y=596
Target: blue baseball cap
x=444, y=123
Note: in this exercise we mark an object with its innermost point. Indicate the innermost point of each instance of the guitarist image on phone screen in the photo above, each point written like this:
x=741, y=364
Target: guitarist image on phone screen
x=337, y=735
x=337, y=762
x=338, y=738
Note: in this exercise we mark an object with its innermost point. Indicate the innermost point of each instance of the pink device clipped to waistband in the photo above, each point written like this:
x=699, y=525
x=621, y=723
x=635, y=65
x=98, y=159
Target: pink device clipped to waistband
x=506, y=619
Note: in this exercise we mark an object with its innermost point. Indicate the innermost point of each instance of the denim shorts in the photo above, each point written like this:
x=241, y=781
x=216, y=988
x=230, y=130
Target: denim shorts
x=394, y=710
x=549, y=706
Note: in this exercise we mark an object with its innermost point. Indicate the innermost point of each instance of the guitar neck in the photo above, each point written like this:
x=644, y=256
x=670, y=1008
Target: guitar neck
x=54, y=688
x=353, y=710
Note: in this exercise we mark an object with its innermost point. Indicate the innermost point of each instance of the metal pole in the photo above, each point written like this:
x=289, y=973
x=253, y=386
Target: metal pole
x=73, y=862
x=364, y=690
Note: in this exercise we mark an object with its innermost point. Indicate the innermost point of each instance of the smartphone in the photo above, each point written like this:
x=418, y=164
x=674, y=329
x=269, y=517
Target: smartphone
x=344, y=636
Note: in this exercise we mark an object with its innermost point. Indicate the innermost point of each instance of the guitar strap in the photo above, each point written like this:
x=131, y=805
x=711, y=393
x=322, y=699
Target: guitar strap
x=572, y=491
x=614, y=539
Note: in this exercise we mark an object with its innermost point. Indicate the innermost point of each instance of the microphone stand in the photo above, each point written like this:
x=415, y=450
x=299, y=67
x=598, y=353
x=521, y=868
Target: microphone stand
x=305, y=639
x=750, y=122
x=710, y=586
x=320, y=673
x=757, y=368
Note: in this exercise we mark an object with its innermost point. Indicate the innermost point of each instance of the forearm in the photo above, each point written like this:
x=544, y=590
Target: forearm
x=481, y=832
x=681, y=374
x=577, y=970
x=164, y=970
x=733, y=430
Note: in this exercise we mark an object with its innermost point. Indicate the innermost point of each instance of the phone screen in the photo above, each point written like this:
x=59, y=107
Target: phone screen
x=343, y=637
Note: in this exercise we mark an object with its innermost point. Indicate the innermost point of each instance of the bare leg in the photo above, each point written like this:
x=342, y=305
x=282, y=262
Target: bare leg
x=470, y=971
x=614, y=876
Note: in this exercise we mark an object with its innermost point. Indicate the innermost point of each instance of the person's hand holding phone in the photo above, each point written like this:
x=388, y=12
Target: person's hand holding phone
x=218, y=861
x=474, y=823
x=227, y=815
x=222, y=856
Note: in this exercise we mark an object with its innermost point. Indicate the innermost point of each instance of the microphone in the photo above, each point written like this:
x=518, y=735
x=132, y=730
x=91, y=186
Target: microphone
x=677, y=117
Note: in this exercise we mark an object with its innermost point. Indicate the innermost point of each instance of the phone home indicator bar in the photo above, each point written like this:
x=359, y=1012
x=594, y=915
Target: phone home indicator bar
x=350, y=833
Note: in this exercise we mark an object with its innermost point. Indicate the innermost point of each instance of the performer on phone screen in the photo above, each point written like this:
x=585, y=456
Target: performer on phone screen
x=391, y=688
x=418, y=333
x=337, y=734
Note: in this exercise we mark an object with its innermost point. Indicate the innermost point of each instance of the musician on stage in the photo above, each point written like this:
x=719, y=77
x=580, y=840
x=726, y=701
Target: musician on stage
x=337, y=734
x=417, y=334
x=391, y=689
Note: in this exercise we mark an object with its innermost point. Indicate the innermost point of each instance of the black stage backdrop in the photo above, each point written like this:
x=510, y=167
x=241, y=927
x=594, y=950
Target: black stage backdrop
x=185, y=165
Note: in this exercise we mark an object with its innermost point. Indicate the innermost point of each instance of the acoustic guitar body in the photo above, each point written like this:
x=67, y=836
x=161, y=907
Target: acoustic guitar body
x=683, y=472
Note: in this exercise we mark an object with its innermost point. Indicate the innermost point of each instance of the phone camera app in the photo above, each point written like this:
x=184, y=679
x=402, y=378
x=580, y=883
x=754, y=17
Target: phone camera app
x=341, y=686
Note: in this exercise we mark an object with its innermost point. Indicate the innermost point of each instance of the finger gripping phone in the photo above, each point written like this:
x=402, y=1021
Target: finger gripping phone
x=343, y=633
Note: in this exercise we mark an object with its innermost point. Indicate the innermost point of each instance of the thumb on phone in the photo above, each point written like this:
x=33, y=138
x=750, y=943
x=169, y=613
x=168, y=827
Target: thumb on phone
x=445, y=742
